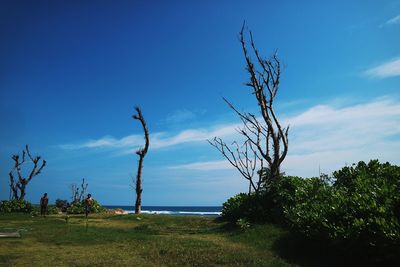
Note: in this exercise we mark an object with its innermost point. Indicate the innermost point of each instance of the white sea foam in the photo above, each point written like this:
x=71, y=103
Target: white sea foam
x=199, y=212
x=167, y=212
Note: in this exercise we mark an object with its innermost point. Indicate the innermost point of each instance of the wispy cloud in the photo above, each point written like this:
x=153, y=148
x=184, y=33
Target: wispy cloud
x=324, y=135
x=331, y=137
x=158, y=140
x=394, y=20
x=385, y=70
x=204, y=166
x=181, y=115
x=107, y=142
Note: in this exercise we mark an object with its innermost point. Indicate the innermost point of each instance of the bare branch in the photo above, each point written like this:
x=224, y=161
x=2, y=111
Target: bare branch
x=238, y=158
x=265, y=137
x=18, y=187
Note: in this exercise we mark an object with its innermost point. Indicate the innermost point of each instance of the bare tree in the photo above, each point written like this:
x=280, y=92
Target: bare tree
x=244, y=158
x=268, y=139
x=141, y=152
x=75, y=193
x=78, y=194
x=83, y=189
x=18, y=184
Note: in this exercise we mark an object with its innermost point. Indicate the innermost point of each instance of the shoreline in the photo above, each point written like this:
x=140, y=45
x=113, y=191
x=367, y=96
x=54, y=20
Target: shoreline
x=175, y=211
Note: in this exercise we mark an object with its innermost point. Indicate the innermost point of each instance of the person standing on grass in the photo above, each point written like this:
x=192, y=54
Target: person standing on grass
x=88, y=204
x=44, y=201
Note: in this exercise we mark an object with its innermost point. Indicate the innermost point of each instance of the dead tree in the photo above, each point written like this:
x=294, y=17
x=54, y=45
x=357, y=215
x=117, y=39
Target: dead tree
x=78, y=194
x=265, y=133
x=18, y=184
x=245, y=159
x=83, y=189
x=141, y=152
x=75, y=193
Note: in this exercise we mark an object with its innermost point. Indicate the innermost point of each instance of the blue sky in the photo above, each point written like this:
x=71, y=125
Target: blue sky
x=72, y=72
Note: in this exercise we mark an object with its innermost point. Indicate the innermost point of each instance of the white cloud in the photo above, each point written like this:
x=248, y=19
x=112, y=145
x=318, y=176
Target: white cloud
x=204, y=166
x=385, y=70
x=394, y=20
x=107, y=142
x=322, y=135
x=194, y=135
x=331, y=137
x=158, y=140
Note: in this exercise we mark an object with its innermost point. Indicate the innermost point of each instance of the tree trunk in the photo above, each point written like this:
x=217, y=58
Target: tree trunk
x=141, y=153
x=22, y=191
x=139, y=190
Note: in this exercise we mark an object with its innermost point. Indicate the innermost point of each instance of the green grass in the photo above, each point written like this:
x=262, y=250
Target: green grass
x=130, y=240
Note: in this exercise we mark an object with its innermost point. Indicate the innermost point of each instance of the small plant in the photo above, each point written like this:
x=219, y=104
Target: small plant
x=243, y=224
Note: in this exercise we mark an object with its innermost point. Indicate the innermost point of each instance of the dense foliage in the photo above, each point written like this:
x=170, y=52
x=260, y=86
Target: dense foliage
x=7, y=206
x=265, y=206
x=237, y=207
x=359, y=209
x=79, y=207
x=60, y=203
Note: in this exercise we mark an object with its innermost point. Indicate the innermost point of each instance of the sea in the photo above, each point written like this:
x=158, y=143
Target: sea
x=174, y=210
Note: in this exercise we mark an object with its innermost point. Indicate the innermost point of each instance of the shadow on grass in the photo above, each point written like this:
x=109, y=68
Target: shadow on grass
x=5, y=260
x=295, y=249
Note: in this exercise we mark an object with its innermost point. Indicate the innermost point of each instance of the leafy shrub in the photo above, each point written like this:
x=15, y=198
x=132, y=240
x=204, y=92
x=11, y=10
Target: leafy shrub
x=8, y=206
x=51, y=209
x=268, y=205
x=233, y=208
x=244, y=206
x=79, y=207
x=281, y=195
x=361, y=209
x=60, y=203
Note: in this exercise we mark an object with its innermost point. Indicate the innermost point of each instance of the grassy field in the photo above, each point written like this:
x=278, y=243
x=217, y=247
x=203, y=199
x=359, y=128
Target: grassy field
x=148, y=240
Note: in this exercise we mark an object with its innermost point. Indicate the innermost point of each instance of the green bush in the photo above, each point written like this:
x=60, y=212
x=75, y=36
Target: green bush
x=361, y=209
x=51, y=209
x=60, y=203
x=244, y=206
x=233, y=208
x=268, y=205
x=7, y=206
x=79, y=207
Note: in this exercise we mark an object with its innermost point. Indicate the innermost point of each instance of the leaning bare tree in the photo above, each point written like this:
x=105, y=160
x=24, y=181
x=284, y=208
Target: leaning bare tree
x=268, y=139
x=141, y=152
x=18, y=184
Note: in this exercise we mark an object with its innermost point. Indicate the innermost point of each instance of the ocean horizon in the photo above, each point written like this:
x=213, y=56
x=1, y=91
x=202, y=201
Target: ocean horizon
x=172, y=210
